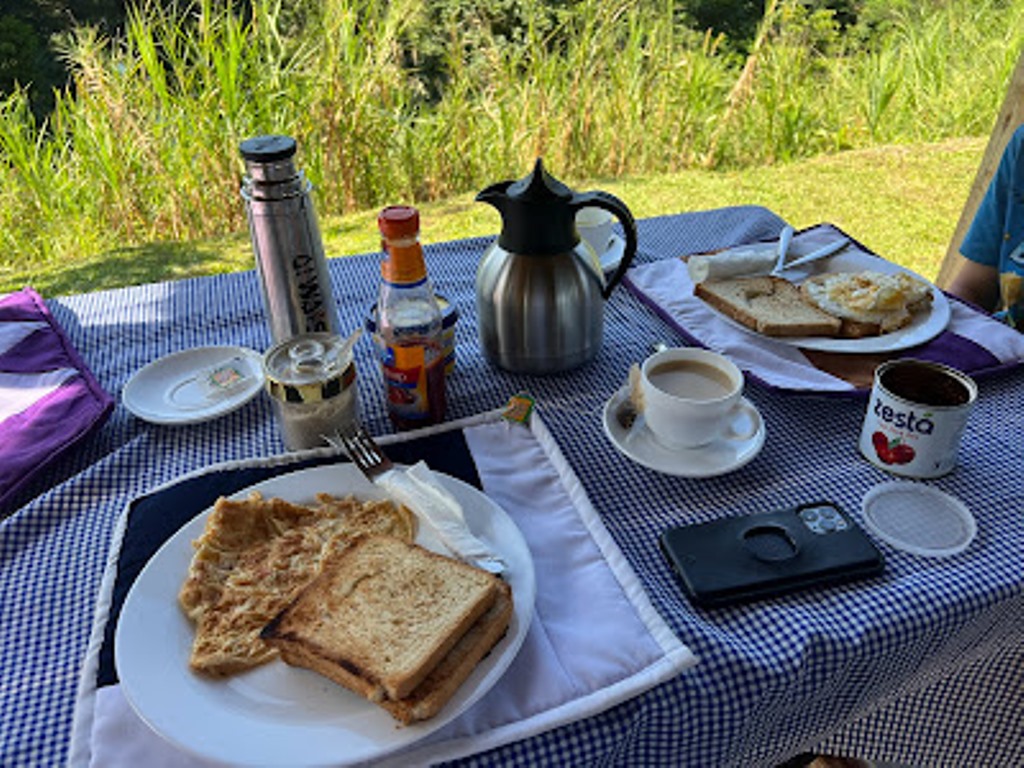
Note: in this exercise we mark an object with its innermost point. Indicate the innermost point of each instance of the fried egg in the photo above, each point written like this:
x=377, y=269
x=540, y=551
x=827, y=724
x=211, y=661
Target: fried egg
x=886, y=300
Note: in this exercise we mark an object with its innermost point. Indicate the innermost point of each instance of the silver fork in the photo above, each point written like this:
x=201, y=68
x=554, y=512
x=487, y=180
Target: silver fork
x=362, y=450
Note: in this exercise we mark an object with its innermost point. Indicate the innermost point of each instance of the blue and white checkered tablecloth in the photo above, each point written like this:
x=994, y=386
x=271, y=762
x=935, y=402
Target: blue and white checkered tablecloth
x=921, y=666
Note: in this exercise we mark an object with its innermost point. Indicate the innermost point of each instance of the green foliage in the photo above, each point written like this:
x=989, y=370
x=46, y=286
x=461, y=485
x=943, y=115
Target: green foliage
x=27, y=30
x=415, y=100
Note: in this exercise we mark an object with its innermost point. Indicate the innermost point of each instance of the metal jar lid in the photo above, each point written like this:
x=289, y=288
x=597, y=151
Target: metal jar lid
x=307, y=368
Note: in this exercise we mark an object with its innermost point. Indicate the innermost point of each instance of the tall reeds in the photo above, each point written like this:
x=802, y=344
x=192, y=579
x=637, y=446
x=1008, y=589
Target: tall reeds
x=144, y=146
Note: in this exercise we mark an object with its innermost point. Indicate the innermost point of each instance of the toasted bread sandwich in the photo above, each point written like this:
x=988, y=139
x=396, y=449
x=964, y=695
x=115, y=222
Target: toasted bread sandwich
x=392, y=621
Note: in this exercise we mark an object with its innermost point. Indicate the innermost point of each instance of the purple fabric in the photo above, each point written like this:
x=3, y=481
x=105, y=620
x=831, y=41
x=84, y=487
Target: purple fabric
x=31, y=439
x=956, y=351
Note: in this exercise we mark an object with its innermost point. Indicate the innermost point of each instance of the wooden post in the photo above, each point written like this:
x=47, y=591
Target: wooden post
x=1010, y=116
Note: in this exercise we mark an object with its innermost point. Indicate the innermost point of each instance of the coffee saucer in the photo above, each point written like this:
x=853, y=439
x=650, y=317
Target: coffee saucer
x=194, y=385
x=716, y=458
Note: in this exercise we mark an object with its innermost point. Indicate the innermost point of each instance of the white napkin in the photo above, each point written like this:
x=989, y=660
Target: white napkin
x=756, y=259
x=419, y=489
x=595, y=640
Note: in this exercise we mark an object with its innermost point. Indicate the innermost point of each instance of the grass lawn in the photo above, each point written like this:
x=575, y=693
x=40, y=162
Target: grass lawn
x=901, y=201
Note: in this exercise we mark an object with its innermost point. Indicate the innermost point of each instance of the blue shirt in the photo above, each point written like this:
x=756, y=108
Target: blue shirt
x=996, y=236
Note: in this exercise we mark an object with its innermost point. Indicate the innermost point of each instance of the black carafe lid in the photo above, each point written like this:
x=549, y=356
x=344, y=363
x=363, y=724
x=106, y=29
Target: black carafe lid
x=538, y=213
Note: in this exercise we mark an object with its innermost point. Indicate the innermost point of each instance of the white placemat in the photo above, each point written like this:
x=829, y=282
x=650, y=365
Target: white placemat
x=595, y=640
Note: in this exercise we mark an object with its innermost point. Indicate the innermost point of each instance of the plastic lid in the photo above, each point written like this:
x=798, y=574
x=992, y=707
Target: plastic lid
x=399, y=221
x=918, y=518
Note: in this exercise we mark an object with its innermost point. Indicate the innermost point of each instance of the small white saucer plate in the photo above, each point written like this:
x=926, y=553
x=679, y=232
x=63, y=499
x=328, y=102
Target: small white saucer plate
x=170, y=390
x=717, y=458
x=613, y=253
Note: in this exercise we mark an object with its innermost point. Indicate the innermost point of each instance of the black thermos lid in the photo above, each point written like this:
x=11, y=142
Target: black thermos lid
x=267, y=149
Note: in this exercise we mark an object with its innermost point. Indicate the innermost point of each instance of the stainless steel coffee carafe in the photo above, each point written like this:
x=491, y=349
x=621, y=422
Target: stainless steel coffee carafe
x=540, y=291
x=286, y=240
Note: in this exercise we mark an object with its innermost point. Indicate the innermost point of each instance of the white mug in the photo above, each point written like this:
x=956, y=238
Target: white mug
x=595, y=226
x=692, y=397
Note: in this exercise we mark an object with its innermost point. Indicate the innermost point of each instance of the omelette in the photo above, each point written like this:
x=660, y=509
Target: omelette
x=253, y=558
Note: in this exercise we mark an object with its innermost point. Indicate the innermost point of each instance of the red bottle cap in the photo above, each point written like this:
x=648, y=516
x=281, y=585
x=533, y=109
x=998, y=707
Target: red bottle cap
x=399, y=226
x=397, y=222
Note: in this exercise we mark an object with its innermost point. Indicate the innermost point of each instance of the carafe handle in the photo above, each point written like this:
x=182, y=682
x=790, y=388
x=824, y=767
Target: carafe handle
x=618, y=209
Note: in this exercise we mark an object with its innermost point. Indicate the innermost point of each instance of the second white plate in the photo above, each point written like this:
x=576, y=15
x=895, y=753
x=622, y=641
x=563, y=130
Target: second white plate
x=924, y=326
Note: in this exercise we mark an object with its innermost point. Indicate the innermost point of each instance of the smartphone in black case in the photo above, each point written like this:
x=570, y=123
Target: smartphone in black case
x=739, y=559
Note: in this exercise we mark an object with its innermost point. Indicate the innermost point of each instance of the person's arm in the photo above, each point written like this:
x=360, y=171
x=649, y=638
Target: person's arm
x=976, y=283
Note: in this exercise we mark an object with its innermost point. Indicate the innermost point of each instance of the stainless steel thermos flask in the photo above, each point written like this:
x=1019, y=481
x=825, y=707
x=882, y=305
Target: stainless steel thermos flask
x=286, y=240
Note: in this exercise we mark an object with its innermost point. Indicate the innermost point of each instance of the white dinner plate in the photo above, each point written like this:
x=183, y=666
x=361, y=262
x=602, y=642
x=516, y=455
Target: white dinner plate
x=178, y=388
x=924, y=326
x=717, y=458
x=277, y=714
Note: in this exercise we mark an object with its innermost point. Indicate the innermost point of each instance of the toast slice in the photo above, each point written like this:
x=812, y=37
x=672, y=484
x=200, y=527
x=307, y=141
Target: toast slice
x=769, y=305
x=430, y=696
x=381, y=615
x=437, y=689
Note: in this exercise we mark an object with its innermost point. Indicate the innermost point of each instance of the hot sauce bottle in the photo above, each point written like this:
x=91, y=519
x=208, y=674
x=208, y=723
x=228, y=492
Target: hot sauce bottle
x=409, y=325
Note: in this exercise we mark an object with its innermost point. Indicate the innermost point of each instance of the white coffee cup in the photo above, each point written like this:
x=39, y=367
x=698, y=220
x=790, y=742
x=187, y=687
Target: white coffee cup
x=595, y=226
x=693, y=397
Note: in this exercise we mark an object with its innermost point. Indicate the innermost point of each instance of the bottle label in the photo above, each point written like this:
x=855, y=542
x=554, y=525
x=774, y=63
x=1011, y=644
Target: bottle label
x=404, y=265
x=414, y=385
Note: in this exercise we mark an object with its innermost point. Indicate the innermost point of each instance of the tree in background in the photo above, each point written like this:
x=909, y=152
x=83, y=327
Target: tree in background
x=738, y=20
x=29, y=31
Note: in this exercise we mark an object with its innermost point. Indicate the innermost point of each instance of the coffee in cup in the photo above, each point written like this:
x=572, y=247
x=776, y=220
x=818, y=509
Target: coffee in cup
x=692, y=397
x=916, y=417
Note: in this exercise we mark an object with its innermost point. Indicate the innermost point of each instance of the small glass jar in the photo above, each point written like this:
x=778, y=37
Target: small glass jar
x=312, y=388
